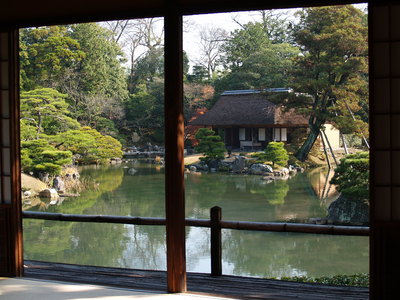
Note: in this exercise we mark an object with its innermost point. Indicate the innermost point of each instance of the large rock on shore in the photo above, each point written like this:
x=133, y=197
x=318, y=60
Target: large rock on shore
x=49, y=193
x=239, y=164
x=32, y=184
x=348, y=211
x=260, y=169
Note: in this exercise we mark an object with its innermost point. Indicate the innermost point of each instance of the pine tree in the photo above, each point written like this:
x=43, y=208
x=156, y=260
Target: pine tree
x=331, y=74
x=210, y=144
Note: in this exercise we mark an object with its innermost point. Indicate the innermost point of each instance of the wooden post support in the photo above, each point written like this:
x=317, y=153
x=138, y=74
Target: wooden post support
x=174, y=164
x=330, y=147
x=326, y=153
x=11, y=254
x=216, y=241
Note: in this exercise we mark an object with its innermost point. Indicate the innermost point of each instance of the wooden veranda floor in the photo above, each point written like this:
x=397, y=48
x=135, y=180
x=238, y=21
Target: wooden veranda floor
x=230, y=286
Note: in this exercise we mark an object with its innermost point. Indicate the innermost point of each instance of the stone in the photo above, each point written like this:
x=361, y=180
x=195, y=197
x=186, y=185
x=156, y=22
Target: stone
x=269, y=169
x=313, y=220
x=202, y=166
x=348, y=211
x=131, y=171
x=250, y=161
x=285, y=171
x=115, y=161
x=225, y=166
x=238, y=164
x=268, y=178
x=213, y=164
x=49, y=193
x=282, y=177
x=322, y=222
x=292, y=170
x=58, y=184
x=44, y=177
x=260, y=169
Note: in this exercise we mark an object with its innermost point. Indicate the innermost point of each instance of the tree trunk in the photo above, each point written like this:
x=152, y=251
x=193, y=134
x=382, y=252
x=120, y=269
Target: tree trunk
x=315, y=128
x=39, y=129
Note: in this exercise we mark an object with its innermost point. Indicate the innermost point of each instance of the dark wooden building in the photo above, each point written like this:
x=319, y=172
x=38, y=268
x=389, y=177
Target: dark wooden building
x=247, y=120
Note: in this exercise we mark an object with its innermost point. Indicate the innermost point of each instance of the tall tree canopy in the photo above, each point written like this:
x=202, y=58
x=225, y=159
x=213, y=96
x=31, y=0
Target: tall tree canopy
x=267, y=68
x=331, y=73
x=46, y=54
x=81, y=61
x=257, y=55
x=251, y=38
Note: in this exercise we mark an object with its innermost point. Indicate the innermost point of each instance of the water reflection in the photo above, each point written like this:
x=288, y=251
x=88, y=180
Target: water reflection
x=141, y=193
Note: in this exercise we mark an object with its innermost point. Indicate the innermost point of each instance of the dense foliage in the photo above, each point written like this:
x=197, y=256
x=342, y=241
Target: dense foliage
x=46, y=111
x=352, y=176
x=37, y=156
x=361, y=280
x=88, y=145
x=71, y=76
x=81, y=62
x=255, y=58
x=209, y=144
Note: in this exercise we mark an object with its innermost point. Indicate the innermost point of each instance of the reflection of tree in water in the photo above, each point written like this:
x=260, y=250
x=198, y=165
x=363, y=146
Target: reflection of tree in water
x=46, y=240
x=301, y=202
x=198, y=249
x=60, y=241
x=96, y=244
x=203, y=192
x=320, y=182
x=144, y=248
x=284, y=254
x=274, y=192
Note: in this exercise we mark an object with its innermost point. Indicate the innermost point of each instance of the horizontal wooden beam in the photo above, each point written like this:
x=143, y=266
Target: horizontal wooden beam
x=297, y=228
x=93, y=218
x=235, y=225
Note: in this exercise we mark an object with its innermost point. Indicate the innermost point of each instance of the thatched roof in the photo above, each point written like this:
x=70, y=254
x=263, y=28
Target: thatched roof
x=249, y=110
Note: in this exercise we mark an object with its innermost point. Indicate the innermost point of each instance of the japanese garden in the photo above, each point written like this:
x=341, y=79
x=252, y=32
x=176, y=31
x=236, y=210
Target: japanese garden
x=276, y=130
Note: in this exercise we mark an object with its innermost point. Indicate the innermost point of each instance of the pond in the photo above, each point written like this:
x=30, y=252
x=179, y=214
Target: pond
x=137, y=189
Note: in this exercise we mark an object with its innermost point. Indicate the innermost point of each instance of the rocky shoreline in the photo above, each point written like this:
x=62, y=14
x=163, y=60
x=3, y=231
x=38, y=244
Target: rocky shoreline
x=238, y=164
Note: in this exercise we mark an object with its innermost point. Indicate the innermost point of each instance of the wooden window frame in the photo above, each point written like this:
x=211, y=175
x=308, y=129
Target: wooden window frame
x=385, y=243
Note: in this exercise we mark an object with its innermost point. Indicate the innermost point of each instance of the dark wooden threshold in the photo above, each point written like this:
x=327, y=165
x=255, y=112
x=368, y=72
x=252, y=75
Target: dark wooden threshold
x=229, y=286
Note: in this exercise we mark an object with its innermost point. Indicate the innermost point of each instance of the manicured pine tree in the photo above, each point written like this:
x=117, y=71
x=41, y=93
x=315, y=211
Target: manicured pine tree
x=276, y=153
x=210, y=145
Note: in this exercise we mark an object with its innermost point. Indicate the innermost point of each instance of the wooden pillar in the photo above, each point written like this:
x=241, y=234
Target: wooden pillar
x=11, y=256
x=384, y=47
x=216, y=241
x=174, y=138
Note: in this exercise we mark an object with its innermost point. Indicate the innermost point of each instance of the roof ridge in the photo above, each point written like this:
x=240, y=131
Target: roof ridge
x=257, y=91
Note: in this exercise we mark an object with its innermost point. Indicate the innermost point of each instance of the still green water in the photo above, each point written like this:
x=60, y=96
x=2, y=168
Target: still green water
x=245, y=198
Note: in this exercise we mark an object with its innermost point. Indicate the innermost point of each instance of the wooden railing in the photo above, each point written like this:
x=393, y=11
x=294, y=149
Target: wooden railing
x=215, y=223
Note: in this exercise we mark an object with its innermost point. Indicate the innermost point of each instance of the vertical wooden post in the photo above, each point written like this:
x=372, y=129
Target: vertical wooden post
x=11, y=256
x=216, y=241
x=324, y=146
x=174, y=164
x=330, y=147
